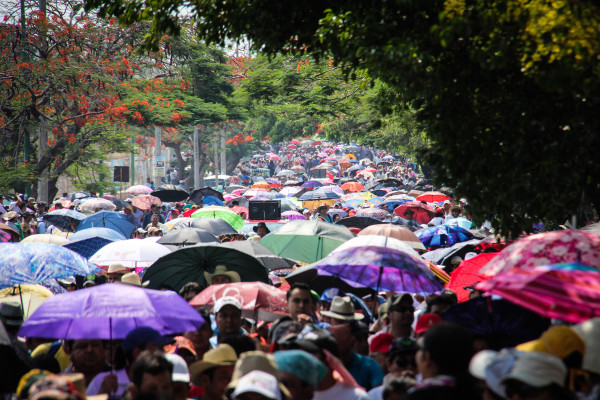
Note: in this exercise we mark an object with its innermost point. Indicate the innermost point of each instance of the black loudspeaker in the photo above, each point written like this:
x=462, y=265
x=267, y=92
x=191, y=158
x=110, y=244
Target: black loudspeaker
x=261, y=210
x=121, y=174
x=319, y=173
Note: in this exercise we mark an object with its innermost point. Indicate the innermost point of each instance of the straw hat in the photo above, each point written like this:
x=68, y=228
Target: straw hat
x=222, y=270
x=323, y=205
x=342, y=308
x=221, y=356
x=132, y=279
x=117, y=268
x=255, y=361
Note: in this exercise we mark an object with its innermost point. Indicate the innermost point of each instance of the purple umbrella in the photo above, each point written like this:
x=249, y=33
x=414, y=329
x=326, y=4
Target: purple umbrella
x=291, y=215
x=312, y=184
x=331, y=188
x=110, y=311
x=380, y=268
x=341, y=212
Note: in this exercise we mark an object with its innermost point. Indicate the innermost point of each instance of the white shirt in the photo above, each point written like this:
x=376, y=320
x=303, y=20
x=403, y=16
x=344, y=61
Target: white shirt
x=122, y=381
x=341, y=392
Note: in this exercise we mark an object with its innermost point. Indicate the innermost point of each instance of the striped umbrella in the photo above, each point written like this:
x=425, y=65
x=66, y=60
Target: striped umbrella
x=443, y=236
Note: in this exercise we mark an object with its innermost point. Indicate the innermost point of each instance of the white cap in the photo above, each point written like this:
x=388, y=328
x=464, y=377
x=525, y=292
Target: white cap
x=480, y=361
x=538, y=370
x=258, y=382
x=181, y=373
x=470, y=255
x=227, y=301
x=590, y=332
x=463, y=200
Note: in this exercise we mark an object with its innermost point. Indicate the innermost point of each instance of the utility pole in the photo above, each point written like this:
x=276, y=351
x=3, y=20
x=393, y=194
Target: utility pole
x=157, y=151
x=216, y=156
x=132, y=156
x=26, y=139
x=196, y=159
x=223, y=153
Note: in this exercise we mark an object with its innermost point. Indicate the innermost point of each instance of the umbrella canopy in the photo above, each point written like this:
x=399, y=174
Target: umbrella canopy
x=189, y=264
x=318, y=195
x=145, y=201
x=28, y=301
x=286, y=172
x=567, y=294
x=46, y=238
x=548, y=248
x=64, y=219
x=120, y=204
x=111, y=311
x=261, y=253
x=330, y=188
x=187, y=237
x=231, y=188
x=267, y=196
x=215, y=226
x=423, y=212
x=353, y=187
x=259, y=301
x=254, y=192
x=97, y=204
x=132, y=253
x=444, y=255
x=396, y=232
x=467, y=274
x=378, y=241
x=312, y=184
x=461, y=222
x=198, y=194
x=443, y=236
x=375, y=213
x=139, y=189
x=88, y=241
x=212, y=201
x=433, y=197
x=358, y=222
x=111, y=220
x=380, y=268
x=292, y=215
x=306, y=241
x=170, y=193
x=289, y=191
x=223, y=213
x=500, y=323
x=33, y=263
x=298, y=169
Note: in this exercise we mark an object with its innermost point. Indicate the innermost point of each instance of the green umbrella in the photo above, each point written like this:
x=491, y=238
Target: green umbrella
x=189, y=264
x=223, y=213
x=307, y=241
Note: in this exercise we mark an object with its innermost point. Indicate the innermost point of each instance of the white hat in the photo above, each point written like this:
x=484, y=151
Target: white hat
x=538, y=370
x=227, y=301
x=258, y=382
x=480, y=361
x=470, y=255
x=342, y=308
x=590, y=332
x=491, y=367
x=180, y=368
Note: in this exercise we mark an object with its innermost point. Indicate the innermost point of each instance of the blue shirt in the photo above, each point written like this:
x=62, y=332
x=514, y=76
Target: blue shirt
x=366, y=371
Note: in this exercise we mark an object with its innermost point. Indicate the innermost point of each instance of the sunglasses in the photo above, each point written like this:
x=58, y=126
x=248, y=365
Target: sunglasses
x=402, y=309
x=522, y=389
x=404, y=362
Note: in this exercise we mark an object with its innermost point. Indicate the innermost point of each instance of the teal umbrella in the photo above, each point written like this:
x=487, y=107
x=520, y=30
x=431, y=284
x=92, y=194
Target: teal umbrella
x=190, y=263
x=307, y=241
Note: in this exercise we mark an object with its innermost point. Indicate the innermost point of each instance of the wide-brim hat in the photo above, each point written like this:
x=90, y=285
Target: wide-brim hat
x=323, y=205
x=117, y=268
x=255, y=228
x=221, y=356
x=456, y=207
x=10, y=215
x=342, y=308
x=132, y=279
x=222, y=270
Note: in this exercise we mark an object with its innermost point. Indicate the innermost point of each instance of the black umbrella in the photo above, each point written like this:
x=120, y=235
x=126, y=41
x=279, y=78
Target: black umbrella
x=242, y=202
x=170, y=193
x=190, y=263
x=358, y=222
x=215, y=226
x=320, y=283
x=443, y=255
x=119, y=203
x=187, y=237
x=233, y=188
x=264, y=255
x=198, y=194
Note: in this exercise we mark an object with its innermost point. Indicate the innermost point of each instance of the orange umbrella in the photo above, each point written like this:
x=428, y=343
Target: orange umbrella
x=262, y=185
x=353, y=187
x=396, y=232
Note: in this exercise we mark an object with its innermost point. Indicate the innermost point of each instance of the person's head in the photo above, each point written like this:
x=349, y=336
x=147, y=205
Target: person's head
x=128, y=210
x=87, y=356
x=322, y=209
x=341, y=311
x=536, y=376
x=190, y=290
x=221, y=275
x=200, y=338
x=336, y=217
x=401, y=357
x=400, y=311
x=115, y=272
x=11, y=317
x=228, y=315
x=180, y=377
x=455, y=211
x=154, y=231
x=397, y=387
x=143, y=338
x=154, y=219
x=58, y=205
x=300, y=372
x=444, y=350
x=343, y=337
x=151, y=376
x=214, y=371
x=379, y=347
x=439, y=304
x=300, y=300
x=257, y=385
x=70, y=284
x=408, y=214
x=425, y=322
x=261, y=229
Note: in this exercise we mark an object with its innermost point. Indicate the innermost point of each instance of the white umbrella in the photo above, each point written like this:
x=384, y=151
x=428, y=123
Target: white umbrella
x=97, y=204
x=139, y=189
x=132, y=253
x=378, y=241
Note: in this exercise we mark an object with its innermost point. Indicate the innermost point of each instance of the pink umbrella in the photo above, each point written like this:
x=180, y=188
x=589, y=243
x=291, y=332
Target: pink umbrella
x=145, y=201
x=239, y=192
x=241, y=211
x=292, y=215
x=547, y=248
x=274, y=157
x=291, y=146
x=139, y=189
x=376, y=213
x=568, y=295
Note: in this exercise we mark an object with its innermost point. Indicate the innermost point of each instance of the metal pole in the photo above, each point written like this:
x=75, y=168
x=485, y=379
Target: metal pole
x=216, y=156
x=196, y=159
x=132, y=156
x=223, y=153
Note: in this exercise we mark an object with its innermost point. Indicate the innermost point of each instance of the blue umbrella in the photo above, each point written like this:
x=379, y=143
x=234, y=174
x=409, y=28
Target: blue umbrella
x=443, y=236
x=34, y=263
x=354, y=203
x=318, y=195
x=391, y=204
x=268, y=196
x=212, y=201
x=88, y=241
x=63, y=218
x=108, y=219
x=311, y=184
x=379, y=192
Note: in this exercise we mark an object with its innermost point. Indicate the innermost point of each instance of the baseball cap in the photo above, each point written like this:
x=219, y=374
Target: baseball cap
x=401, y=346
x=181, y=372
x=538, y=370
x=381, y=343
x=301, y=364
x=396, y=300
x=426, y=321
x=143, y=335
x=258, y=382
x=227, y=301
x=560, y=341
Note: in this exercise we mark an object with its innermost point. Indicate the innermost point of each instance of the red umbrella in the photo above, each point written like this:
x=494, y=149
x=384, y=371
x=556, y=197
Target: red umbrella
x=433, y=197
x=274, y=157
x=317, y=143
x=467, y=274
x=353, y=187
x=294, y=141
x=423, y=212
x=259, y=300
x=291, y=146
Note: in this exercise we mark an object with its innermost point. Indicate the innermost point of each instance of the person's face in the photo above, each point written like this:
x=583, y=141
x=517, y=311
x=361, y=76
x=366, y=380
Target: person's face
x=300, y=302
x=261, y=231
x=200, y=338
x=403, y=363
x=517, y=390
x=323, y=211
x=113, y=277
x=229, y=319
x=215, y=387
x=298, y=389
x=409, y=215
x=158, y=386
x=87, y=355
x=71, y=288
x=180, y=391
x=127, y=211
x=154, y=219
x=402, y=315
x=219, y=279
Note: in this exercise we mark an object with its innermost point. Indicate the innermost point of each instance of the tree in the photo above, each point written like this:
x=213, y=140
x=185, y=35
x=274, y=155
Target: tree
x=507, y=91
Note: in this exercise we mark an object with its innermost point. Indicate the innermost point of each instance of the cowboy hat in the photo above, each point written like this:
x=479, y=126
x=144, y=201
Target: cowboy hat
x=10, y=215
x=456, y=207
x=323, y=205
x=117, y=268
x=342, y=308
x=132, y=279
x=222, y=270
x=255, y=229
x=221, y=356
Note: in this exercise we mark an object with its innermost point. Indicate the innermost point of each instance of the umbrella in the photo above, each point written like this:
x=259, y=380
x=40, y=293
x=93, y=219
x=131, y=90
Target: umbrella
x=443, y=236
x=212, y=201
x=132, y=253
x=231, y=188
x=111, y=311
x=120, y=204
x=223, y=213
x=396, y=232
x=261, y=185
x=187, y=237
x=254, y=192
x=64, y=219
x=460, y=221
x=241, y=211
x=215, y=226
x=338, y=211
x=548, y=248
x=433, y=197
x=189, y=264
x=139, y=189
x=353, y=187
x=423, y=212
x=467, y=274
x=46, y=238
x=170, y=193
x=444, y=255
x=267, y=196
x=145, y=201
x=298, y=169
x=261, y=253
x=292, y=215
x=106, y=219
x=306, y=241
x=330, y=188
x=274, y=157
x=501, y=323
x=28, y=301
x=259, y=301
x=79, y=196
x=312, y=184
x=241, y=200
x=97, y=204
x=289, y=191
x=380, y=268
x=358, y=222
x=295, y=141
x=318, y=195
x=379, y=241
x=88, y=241
x=286, y=172
x=567, y=294
x=33, y=263
x=375, y=213
x=198, y=194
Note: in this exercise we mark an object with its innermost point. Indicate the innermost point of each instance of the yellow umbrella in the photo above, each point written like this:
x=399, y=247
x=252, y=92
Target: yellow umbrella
x=28, y=296
x=46, y=238
x=310, y=204
x=38, y=290
x=350, y=156
x=59, y=233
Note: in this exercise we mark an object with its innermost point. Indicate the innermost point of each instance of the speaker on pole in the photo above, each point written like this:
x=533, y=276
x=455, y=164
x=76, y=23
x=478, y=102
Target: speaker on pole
x=264, y=210
x=121, y=174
